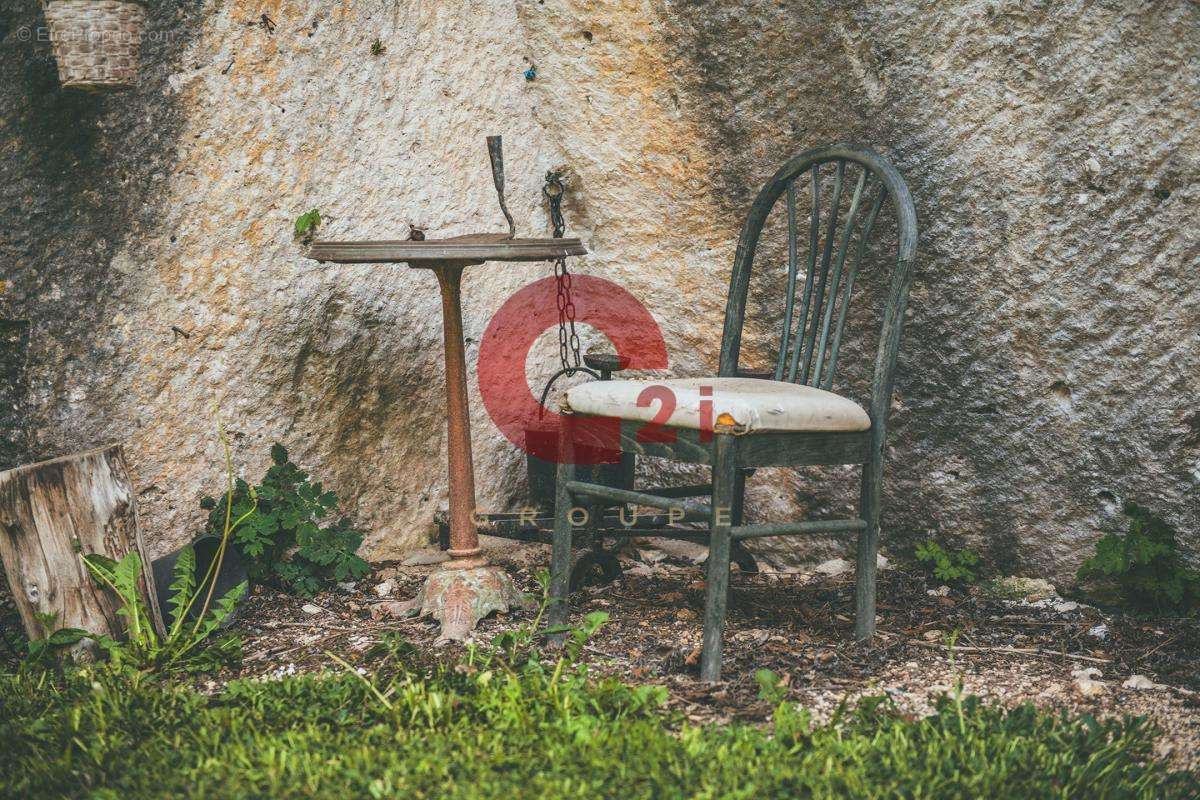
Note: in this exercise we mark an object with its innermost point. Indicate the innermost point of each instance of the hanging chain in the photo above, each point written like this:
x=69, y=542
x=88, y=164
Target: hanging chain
x=568, y=339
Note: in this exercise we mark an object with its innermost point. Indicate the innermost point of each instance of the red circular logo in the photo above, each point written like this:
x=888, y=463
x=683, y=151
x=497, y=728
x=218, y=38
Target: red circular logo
x=526, y=316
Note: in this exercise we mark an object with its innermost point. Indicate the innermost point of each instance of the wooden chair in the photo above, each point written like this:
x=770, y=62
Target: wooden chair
x=735, y=423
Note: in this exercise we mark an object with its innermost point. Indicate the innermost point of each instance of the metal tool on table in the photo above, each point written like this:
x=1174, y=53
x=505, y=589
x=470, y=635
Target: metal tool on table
x=495, y=146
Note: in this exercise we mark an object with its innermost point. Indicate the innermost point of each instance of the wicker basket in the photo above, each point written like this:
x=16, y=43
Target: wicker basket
x=96, y=42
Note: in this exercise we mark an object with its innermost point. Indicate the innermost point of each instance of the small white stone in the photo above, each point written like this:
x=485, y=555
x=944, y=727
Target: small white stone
x=309, y=608
x=940, y=591
x=1065, y=606
x=1086, y=687
x=933, y=635
x=347, y=586
x=1141, y=682
x=834, y=566
x=1029, y=589
x=1098, y=631
x=384, y=589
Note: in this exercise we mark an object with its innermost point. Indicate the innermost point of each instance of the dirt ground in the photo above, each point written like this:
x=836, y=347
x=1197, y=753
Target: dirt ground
x=1055, y=653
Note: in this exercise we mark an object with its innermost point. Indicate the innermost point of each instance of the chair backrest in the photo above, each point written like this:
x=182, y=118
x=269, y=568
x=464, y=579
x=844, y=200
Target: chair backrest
x=815, y=316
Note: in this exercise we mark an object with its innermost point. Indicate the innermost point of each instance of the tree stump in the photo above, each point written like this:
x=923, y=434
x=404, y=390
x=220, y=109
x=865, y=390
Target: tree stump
x=53, y=513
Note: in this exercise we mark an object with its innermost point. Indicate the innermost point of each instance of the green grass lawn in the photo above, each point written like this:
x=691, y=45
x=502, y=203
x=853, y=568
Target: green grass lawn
x=483, y=728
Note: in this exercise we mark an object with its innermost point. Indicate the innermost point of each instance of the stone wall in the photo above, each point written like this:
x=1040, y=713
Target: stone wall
x=1052, y=355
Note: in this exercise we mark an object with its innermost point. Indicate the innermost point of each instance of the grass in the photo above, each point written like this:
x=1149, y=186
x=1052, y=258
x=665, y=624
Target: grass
x=485, y=728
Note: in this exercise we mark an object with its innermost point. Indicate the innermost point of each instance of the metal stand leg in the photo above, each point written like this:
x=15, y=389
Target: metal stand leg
x=464, y=541
x=467, y=588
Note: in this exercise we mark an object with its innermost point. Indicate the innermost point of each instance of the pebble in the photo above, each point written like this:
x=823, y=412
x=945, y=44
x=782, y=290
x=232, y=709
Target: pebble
x=1141, y=682
x=1086, y=684
x=1098, y=631
x=1029, y=589
x=1086, y=687
x=392, y=608
x=834, y=566
x=384, y=589
x=309, y=608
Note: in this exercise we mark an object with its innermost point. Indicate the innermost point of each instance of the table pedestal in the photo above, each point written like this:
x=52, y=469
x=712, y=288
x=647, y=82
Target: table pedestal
x=465, y=589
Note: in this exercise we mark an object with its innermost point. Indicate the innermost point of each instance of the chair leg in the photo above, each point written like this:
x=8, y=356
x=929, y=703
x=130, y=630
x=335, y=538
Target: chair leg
x=868, y=549
x=717, y=579
x=560, y=557
x=739, y=497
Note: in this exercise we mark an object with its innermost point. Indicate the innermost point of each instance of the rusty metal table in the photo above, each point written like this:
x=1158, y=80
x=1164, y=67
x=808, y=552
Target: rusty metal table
x=461, y=592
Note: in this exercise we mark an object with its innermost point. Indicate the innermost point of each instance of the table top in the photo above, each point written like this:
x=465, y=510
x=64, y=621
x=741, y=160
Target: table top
x=472, y=249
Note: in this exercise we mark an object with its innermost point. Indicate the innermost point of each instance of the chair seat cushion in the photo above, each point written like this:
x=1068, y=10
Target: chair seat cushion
x=740, y=405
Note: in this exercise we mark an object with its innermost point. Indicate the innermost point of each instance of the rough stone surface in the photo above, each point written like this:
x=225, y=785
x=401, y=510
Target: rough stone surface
x=1052, y=355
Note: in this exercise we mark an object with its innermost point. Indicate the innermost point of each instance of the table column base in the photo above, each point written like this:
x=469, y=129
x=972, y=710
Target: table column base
x=461, y=559
x=461, y=593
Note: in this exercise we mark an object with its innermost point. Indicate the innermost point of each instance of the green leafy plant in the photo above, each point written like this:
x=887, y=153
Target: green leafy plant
x=951, y=566
x=144, y=648
x=771, y=687
x=378, y=48
x=280, y=529
x=307, y=224
x=1144, y=566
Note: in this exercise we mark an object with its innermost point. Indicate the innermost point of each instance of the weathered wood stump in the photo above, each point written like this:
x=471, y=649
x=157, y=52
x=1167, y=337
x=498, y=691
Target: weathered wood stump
x=53, y=513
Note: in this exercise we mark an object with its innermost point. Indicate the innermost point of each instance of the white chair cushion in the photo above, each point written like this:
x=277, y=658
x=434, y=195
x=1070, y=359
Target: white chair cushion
x=740, y=405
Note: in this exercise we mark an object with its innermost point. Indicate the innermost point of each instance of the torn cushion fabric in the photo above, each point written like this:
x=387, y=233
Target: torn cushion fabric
x=745, y=405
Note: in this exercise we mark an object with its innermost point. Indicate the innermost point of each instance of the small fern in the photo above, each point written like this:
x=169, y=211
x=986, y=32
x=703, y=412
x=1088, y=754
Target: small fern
x=182, y=587
x=950, y=566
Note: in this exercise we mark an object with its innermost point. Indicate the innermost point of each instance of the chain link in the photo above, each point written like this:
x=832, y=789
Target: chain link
x=568, y=339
